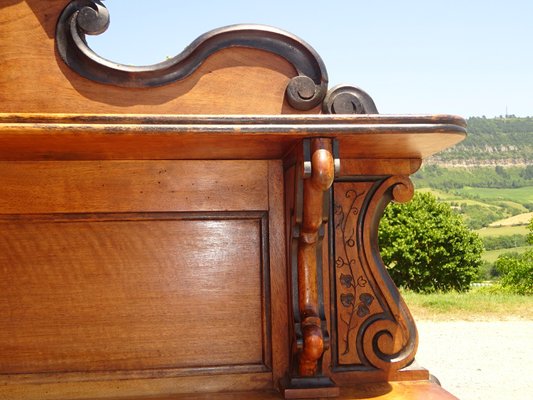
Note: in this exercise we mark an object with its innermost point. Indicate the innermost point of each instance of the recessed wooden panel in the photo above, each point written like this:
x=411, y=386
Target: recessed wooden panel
x=131, y=295
x=124, y=186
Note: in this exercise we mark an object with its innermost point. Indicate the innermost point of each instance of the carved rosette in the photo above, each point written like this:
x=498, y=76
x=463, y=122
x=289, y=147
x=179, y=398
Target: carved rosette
x=374, y=328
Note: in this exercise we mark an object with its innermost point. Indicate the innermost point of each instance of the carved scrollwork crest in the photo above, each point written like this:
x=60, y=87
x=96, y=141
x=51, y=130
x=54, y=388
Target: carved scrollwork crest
x=91, y=17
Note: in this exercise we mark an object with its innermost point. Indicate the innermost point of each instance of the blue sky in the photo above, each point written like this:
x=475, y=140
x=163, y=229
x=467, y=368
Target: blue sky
x=464, y=57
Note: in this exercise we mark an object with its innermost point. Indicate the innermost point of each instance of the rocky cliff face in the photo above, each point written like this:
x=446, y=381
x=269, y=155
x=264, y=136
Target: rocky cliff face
x=492, y=142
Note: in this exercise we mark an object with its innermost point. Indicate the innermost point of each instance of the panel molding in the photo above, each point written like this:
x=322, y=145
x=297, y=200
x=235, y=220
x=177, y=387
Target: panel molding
x=265, y=366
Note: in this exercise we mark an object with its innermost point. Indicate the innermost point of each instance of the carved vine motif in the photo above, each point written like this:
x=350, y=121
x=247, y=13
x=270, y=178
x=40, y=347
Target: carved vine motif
x=351, y=282
x=374, y=326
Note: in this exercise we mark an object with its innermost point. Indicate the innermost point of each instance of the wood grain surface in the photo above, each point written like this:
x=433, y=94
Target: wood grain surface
x=145, y=234
x=124, y=277
x=132, y=186
x=233, y=81
x=91, y=137
x=130, y=295
x=410, y=390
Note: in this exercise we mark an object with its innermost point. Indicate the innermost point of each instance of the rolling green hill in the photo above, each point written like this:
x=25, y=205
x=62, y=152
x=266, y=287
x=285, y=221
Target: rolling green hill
x=488, y=179
x=493, y=141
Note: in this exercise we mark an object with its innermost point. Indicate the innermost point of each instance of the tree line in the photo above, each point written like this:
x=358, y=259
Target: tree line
x=437, y=177
x=505, y=138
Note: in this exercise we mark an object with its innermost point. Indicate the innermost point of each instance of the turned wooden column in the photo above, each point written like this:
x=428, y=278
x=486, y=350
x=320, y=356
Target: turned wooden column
x=315, y=186
x=314, y=173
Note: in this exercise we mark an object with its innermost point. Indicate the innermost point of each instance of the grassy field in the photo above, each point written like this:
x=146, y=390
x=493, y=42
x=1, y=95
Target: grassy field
x=520, y=219
x=523, y=195
x=439, y=194
x=503, y=231
x=513, y=204
x=477, y=305
x=492, y=255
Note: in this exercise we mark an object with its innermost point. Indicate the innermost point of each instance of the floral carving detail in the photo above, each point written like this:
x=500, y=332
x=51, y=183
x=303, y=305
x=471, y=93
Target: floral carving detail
x=363, y=307
x=357, y=305
x=366, y=299
x=362, y=310
x=346, y=281
x=347, y=299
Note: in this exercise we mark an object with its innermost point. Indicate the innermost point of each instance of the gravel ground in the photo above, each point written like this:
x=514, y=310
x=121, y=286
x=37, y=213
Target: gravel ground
x=479, y=360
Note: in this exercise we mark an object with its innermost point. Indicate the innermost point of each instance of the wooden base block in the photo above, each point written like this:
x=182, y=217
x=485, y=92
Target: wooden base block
x=309, y=388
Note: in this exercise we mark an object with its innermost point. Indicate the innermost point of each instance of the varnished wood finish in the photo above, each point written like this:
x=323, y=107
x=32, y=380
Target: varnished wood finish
x=279, y=288
x=321, y=179
x=100, y=262
x=254, y=80
x=409, y=390
x=172, y=242
x=68, y=137
x=129, y=186
x=82, y=308
x=373, y=328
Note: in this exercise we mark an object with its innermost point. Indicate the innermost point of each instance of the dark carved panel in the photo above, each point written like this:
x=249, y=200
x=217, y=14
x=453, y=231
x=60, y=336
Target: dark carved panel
x=372, y=326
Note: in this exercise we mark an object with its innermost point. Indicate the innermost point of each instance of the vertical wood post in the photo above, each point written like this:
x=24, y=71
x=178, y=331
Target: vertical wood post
x=316, y=167
x=315, y=186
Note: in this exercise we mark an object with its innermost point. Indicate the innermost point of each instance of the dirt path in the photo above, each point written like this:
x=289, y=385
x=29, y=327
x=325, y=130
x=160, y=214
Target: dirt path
x=479, y=360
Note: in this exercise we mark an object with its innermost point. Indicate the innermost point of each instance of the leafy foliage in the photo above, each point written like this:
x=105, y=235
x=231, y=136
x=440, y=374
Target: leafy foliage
x=530, y=234
x=427, y=247
x=516, y=271
x=503, y=242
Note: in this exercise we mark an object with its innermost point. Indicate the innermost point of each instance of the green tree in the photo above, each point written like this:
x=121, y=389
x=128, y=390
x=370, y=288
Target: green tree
x=516, y=271
x=427, y=247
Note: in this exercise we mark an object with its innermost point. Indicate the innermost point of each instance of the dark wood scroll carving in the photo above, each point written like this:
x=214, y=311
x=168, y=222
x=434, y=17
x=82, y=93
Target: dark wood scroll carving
x=90, y=17
x=345, y=99
x=372, y=326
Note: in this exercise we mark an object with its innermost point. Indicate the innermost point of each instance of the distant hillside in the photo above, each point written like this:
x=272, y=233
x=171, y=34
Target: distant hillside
x=492, y=141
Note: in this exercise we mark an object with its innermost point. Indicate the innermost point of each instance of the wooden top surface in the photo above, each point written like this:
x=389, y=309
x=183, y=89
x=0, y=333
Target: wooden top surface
x=422, y=390
x=86, y=137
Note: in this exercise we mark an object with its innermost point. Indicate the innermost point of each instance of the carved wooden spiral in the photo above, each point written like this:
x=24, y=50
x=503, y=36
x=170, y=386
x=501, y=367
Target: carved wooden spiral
x=389, y=340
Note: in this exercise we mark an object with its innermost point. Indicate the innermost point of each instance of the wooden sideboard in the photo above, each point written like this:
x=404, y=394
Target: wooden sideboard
x=204, y=228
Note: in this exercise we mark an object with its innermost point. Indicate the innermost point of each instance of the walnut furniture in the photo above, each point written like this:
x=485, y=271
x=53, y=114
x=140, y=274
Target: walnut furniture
x=201, y=228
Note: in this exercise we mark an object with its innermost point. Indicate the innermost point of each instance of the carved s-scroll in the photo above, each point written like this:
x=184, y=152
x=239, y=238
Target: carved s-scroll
x=90, y=17
x=375, y=327
x=389, y=341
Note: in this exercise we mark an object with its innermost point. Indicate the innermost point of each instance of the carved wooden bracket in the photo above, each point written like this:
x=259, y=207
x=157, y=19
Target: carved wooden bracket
x=373, y=327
